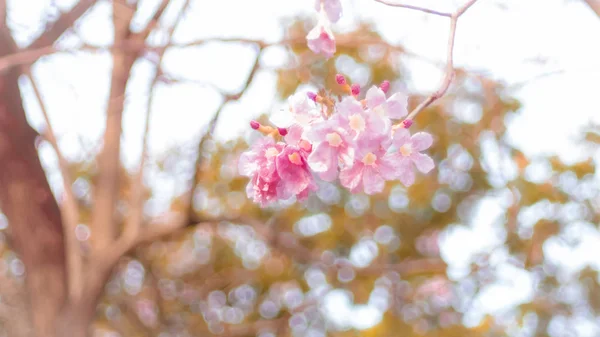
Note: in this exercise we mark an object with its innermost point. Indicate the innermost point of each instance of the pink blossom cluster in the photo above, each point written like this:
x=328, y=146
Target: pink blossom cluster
x=360, y=141
x=321, y=39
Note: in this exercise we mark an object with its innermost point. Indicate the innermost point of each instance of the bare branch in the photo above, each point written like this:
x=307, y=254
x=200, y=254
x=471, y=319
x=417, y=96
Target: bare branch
x=70, y=209
x=594, y=5
x=3, y=13
x=416, y=8
x=449, y=73
x=64, y=22
x=189, y=217
x=137, y=198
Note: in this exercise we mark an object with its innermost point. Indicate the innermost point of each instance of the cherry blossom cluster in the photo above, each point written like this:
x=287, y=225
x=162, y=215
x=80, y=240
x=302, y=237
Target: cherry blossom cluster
x=320, y=39
x=363, y=142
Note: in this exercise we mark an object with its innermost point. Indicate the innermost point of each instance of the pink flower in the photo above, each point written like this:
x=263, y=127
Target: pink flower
x=409, y=149
x=296, y=179
x=259, y=163
x=362, y=124
x=320, y=39
x=334, y=143
x=301, y=110
x=332, y=8
x=394, y=107
x=295, y=137
x=371, y=168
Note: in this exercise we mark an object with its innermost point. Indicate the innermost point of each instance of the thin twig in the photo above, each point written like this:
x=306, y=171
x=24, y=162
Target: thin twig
x=69, y=208
x=449, y=72
x=189, y=217
x=594, y=5
x=133, y=226
x=416, y=8
x=64, y=22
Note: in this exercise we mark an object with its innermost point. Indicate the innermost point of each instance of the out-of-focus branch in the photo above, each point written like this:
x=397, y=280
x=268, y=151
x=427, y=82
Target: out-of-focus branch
x=449, y=73
x=190, y=215
x=64, y=22
x=594, y=5
x=133, y=226
x=107, y=185
x=69, y=209
x=138, y=45
x=2, y=13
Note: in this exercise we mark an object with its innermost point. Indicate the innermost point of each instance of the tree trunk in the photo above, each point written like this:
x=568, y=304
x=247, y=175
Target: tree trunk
x=28, y=204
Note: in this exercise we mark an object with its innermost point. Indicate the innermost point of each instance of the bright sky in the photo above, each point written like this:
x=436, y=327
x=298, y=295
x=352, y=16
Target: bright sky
x=512, y=41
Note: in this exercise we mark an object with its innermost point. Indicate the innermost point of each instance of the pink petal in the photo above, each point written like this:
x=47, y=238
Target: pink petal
x=401, y=137
x=423, y=162
x=405, y=173
x=322, y=158
x=372, y=181
x=352, y=177
x=247, y=165
x=397, y=105
x=421, y=141
x=388, y=167
x=375, y=97
x=330, y=174
x=294, y=134
x=321, y=41
x=349, y=106
x=333, y=8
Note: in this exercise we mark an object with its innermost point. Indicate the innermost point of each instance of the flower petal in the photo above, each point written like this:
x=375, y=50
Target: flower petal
x=349, y=106
x=372, y=181
x=330, y=174
x=405, y=173
x=375, y=97
x=423, y=162
x=389, y=166
x=322, y=158
x=352, y=177
x=333, y=8
x=294, y=134
x=401, y=137
x=397, y=105
x=247, y=165
x=421, y=141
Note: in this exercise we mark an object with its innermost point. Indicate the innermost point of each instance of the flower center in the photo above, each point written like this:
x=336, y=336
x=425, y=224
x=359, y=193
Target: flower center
x=334, y=139
x=271, y=152
x=406, y=150
x=369, y=158
x=305, y=145
x=295, y=158
x=357, y=123
x=379, y=110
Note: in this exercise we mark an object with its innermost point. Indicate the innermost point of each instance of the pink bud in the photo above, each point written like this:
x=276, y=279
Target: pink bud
x=255, y=125
x=407, y=123
x=385, y=86
x=355, y=89
x=312, y=96
x=340, y=79
x=282, y=131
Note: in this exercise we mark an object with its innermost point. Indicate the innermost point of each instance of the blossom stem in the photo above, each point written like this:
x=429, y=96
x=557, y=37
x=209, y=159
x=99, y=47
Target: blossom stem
x=449, y=72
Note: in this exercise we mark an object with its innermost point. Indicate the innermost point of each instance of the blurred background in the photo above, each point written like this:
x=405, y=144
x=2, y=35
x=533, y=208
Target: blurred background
x=135, y=222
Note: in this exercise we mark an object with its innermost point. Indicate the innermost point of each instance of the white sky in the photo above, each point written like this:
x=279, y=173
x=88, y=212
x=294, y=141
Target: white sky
x=504, y=39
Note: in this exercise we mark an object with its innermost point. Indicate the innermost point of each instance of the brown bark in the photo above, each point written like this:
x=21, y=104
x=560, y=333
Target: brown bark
x=28, y=203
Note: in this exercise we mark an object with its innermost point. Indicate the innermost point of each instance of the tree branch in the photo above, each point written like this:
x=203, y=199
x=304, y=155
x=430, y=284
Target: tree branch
x=416, y=8
x=3, y=13
x=594, y=5
x=28, y=203
x=70, y=209
x=64, y=22
x=449, y=73
x=132, y=227
x=190, y=216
